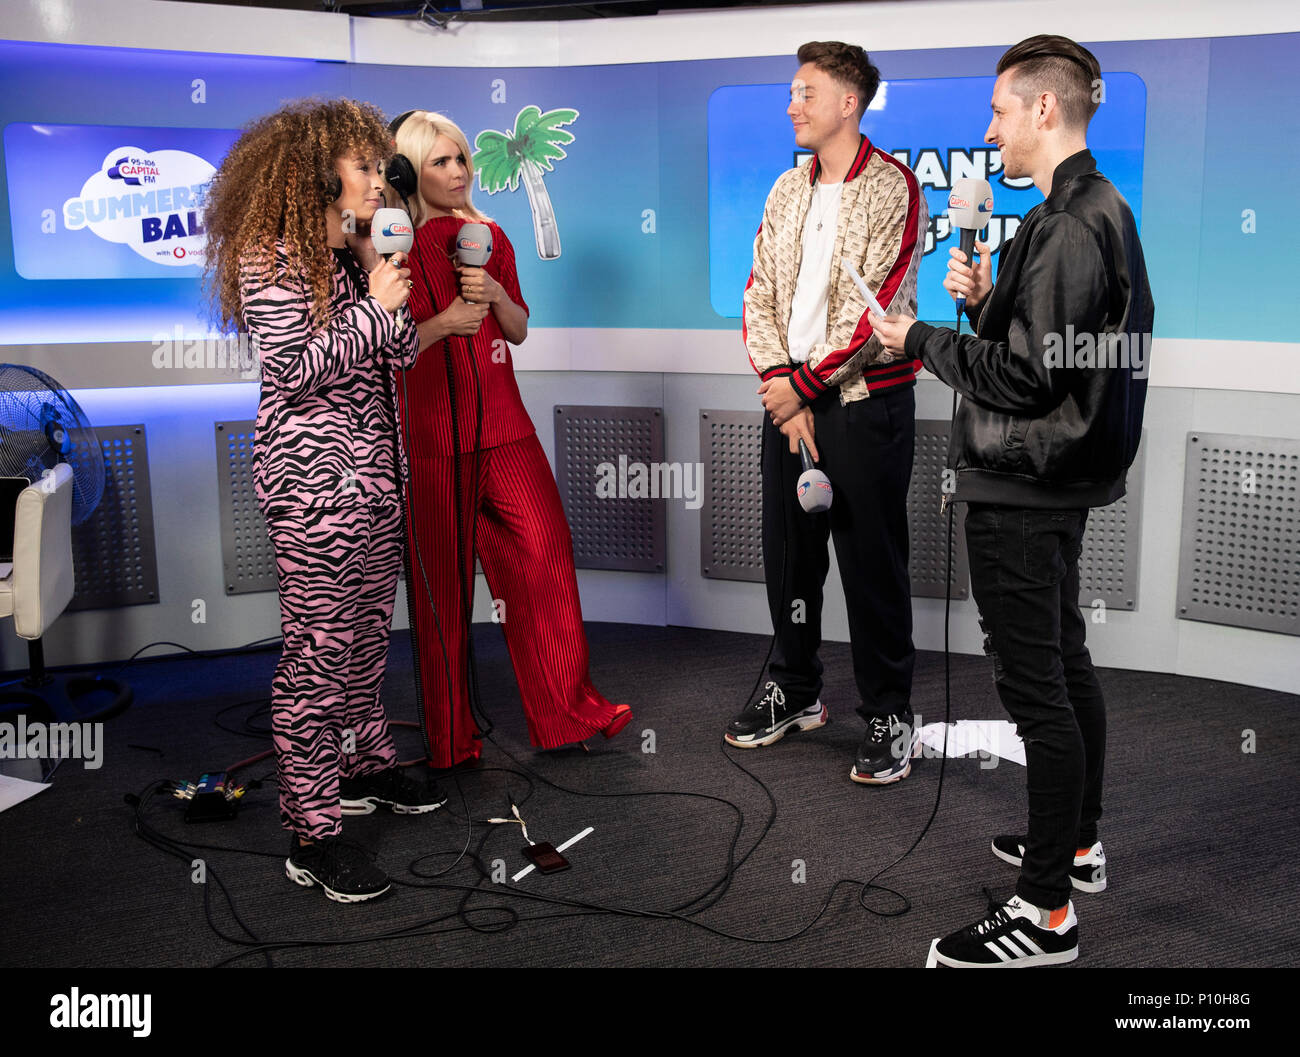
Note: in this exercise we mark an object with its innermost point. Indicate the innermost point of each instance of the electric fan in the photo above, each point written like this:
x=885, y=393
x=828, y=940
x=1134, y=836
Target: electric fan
x=41, y=426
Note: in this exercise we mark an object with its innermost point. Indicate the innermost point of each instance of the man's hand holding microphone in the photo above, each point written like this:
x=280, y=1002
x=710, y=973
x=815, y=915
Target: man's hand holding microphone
x=971, y=282
x=969, y=208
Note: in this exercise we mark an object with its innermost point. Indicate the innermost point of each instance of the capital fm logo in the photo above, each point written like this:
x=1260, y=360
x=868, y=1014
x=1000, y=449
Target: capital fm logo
x=150, y=201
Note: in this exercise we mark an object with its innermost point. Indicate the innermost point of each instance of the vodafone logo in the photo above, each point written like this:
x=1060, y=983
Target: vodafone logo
x=178, y=252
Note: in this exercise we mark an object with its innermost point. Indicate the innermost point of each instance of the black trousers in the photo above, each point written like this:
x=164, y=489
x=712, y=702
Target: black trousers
x=866, y=450
x=1024, y=570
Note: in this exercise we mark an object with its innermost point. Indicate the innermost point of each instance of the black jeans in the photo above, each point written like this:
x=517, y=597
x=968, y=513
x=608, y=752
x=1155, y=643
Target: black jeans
x=1024, y=567
x=866, y=449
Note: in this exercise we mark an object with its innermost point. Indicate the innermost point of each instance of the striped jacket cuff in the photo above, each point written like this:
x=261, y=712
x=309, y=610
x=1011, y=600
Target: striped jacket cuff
x=888, y=375
x=807, y=384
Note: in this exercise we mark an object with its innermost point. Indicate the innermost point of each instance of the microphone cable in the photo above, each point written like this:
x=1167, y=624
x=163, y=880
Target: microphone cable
x=946, y=507
x=403, y=424
x=871, y=882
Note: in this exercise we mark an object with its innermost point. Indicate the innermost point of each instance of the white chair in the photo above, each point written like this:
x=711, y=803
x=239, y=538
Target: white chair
x=36, y=592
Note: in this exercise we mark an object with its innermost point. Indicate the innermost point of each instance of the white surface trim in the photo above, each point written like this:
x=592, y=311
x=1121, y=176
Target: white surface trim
x=1176, y=363
x=165, y=25
x=171, y=26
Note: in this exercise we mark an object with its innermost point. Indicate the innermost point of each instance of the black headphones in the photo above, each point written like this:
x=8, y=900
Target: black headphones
x=399, y=171
x=331, y=187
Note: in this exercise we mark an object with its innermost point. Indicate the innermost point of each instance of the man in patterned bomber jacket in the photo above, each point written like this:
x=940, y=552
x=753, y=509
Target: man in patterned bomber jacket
x=828, y=381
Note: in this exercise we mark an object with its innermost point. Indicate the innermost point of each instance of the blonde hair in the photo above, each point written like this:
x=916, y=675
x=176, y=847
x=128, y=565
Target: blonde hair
x=415, y=139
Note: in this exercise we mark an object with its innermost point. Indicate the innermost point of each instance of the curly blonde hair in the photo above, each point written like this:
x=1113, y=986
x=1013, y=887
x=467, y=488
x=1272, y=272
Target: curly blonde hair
x=275, y=184
x=416, y=136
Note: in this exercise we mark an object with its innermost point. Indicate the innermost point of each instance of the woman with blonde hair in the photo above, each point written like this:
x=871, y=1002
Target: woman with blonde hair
x=480, y=483
x=290, y=261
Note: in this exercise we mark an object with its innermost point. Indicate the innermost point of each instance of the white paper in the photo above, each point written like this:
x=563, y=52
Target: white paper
x=992, y=737
x=16, y=790
x=862, y=286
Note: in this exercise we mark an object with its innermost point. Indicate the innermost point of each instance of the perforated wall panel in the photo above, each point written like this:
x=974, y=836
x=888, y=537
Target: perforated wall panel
x=248, y=562
x=1108, y=563
x=603, y=457
x=1238, y=564
x=113, y=551
x=927, y=525
x=731, y=519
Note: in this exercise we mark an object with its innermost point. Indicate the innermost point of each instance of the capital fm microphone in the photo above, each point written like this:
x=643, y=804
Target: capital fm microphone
x=814, y=487
x=474, y=245
x=970, y=205
x=391, y=232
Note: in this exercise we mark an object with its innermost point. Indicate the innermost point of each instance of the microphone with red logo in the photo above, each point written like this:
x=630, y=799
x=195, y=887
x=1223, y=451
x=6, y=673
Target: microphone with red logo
x=391, y=232
x=814, y=487
x=474, y=245
x=970, y=205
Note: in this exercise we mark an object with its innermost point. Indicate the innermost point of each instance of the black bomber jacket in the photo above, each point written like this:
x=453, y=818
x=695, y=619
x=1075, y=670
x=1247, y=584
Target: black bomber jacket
x=1054, y=384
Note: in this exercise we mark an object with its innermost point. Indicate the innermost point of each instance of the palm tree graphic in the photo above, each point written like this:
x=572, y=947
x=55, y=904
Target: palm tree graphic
x=501, y=158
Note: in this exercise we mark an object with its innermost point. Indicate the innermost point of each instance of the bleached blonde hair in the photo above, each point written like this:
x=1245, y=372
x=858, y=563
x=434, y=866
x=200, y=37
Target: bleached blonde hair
x=415, y=139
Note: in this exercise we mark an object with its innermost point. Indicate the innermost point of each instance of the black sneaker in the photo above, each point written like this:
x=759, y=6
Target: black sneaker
x=1088, y=874
x=768, y=719
x=887, y=749
x=390, y=789
x=346, y=870
x=1011, y=936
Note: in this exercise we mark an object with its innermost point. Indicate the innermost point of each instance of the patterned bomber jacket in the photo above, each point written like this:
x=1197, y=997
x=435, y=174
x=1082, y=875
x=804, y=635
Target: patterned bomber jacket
x=326, y=431
x=881, y=228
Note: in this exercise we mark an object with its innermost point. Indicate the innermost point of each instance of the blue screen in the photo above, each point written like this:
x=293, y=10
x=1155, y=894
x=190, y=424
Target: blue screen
x=928, y=125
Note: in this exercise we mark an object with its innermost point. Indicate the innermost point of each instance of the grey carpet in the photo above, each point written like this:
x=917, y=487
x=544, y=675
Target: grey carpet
x=1201, y=838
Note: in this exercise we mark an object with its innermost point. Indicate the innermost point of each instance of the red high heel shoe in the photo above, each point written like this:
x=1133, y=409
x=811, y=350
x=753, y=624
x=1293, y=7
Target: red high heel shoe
x=622, y=717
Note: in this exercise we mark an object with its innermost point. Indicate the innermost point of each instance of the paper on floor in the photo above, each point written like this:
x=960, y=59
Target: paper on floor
x=995, y=737
x=16, y=790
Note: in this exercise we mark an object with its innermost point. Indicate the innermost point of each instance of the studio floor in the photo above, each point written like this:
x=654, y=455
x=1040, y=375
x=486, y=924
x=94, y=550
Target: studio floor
x=1201, y=836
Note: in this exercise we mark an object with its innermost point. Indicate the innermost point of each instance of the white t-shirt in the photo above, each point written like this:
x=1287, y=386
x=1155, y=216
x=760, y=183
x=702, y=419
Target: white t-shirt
x=808, y=309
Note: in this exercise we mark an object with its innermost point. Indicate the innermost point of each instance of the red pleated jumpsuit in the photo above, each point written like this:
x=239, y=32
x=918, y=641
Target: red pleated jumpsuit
x=521, y=537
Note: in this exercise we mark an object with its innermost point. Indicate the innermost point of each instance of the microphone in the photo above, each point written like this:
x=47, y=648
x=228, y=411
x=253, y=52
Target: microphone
x=969, y=207
x=814, y=488
x=474, y=245
x=391, y=232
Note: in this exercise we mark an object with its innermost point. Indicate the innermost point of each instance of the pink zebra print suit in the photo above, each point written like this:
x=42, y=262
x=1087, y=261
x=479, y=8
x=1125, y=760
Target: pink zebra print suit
x=328, y=469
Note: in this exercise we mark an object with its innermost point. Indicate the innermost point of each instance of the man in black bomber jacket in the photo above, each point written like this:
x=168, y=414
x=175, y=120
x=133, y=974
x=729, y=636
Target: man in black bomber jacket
x=1053, y=389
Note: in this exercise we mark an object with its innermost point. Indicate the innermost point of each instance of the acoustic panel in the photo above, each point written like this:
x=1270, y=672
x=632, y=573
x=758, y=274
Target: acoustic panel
x=248, y=562
x=612, y=479
x=731, y=519
x=113, y=554
x=927, y=522
x=1108, y=563
x=1238, y=563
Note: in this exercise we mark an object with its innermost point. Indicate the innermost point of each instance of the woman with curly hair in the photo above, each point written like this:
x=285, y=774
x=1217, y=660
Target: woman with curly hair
x=480, y=455
x=290, y=260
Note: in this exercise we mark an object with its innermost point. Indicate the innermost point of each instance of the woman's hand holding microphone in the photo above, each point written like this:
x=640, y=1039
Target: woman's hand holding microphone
x=390, y=282
x=478, y=287
x=462, y=318
x=465, y=315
